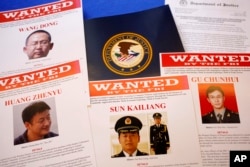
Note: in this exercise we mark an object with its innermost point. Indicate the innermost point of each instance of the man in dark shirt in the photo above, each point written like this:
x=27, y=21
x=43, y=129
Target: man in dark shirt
x=36, y=119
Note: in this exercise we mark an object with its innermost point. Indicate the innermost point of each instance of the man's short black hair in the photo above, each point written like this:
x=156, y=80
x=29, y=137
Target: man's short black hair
x=36, y=107
x=211, y=89
x=38, y=31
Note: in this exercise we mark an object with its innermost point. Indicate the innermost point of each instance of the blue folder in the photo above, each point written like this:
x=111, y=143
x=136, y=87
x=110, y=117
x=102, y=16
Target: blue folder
x=91, y=8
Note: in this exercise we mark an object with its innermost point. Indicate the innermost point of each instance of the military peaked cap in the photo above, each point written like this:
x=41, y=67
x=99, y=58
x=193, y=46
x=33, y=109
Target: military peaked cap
x=156, y=115
x=128, y=124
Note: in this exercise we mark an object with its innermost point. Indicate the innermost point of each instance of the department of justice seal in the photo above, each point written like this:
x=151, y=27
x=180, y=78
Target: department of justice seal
x=127, y=54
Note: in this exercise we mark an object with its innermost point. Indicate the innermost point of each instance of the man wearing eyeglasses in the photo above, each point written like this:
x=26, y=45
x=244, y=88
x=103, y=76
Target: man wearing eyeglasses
x=220, y=114
x=37, y=121
x=38, y=44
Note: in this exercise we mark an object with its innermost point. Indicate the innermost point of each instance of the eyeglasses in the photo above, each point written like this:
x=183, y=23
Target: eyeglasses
x=42, y=43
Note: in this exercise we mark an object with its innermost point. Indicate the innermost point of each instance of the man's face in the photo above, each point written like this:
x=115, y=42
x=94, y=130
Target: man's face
x=40, y=124
x=129, y=141
x=216, y=99
x=157, y=120
x=38, y=45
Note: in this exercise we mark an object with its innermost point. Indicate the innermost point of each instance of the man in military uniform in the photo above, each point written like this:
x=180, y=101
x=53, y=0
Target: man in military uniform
x=128, y=128
x=220, y=114
x=159, y=138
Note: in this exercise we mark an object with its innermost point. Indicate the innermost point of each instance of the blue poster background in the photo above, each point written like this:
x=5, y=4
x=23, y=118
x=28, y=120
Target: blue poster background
x=91, y=8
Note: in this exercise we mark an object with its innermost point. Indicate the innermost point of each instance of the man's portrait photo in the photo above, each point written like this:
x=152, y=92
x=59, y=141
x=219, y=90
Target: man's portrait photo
x=129, y=140
x=33, y=121
x=38, y=44
x=218, y=103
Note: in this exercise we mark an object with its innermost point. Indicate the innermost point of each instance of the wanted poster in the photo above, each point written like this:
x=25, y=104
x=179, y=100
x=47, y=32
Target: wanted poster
x=44, y=87
x=45, y=119
x=144, y=122
x=218, y=82
x=41, y=36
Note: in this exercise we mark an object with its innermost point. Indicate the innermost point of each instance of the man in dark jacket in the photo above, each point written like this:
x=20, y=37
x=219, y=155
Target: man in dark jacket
x=36, y=119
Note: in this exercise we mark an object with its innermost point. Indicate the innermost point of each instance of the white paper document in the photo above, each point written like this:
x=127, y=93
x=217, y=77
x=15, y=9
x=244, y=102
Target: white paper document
x=219, y=85
x=115, y=103
x=44, y=87
x=213, y=25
